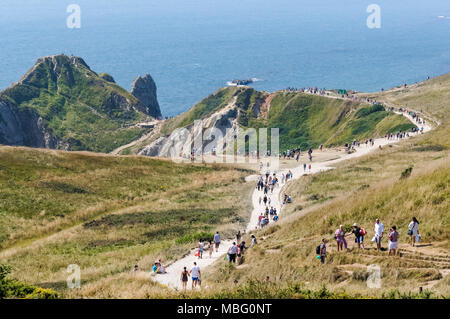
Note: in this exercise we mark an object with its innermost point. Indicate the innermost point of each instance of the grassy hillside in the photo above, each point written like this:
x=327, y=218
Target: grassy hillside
x=304, y=120
x=308, y=121
x=79, y=107
x=206, y=107
x=359, y=191
x=106, y=213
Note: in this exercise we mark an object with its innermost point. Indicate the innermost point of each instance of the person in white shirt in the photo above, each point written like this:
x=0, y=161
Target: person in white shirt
x=379, y=230
x=413, y=230
x=232, y=251
x=195, y=274
x=201, y=247
x=254, y=242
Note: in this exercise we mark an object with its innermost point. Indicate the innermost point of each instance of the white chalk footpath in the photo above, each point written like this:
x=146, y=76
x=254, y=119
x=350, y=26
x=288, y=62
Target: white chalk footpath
x=172, y=277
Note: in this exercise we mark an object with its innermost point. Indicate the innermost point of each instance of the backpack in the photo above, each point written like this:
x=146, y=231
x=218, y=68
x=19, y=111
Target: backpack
x=362, y=232
x=318, y=249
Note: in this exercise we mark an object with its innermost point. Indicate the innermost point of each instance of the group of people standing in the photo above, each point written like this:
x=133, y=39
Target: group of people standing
x=360, y=233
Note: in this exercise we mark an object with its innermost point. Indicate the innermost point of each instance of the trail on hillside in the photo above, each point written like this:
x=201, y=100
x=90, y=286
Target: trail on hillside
x=155, y=130
x=172, y=278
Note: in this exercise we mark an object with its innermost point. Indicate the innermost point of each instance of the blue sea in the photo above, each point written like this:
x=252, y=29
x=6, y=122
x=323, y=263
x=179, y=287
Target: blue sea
x=193, y=47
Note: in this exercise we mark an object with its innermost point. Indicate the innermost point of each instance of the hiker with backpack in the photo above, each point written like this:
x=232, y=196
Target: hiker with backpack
x=359, y=235
x=413, y=230
x=321, y=251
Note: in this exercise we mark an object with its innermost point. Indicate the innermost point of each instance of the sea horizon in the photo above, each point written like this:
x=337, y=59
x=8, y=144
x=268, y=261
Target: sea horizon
x=193, y=48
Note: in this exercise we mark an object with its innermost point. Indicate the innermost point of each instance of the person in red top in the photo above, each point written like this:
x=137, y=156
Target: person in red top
x=393, y=240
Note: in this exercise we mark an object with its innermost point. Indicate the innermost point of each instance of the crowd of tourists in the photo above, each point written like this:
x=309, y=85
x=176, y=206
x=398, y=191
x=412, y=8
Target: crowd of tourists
x=268, y=182
x=235, y=254
x=360, y=234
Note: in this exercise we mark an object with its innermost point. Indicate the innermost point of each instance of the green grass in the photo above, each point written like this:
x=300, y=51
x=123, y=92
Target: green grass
x=304, y=120
x=202, y=109
x=360, y=190
x=106, y=213
x=78, y=106
x=11, y=288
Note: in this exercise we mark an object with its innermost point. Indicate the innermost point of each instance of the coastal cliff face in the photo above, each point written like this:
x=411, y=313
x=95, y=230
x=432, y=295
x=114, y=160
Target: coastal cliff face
x=61, y=103
x=144, y=89
x=25, y=127
x=304, y=120
x=222, y=120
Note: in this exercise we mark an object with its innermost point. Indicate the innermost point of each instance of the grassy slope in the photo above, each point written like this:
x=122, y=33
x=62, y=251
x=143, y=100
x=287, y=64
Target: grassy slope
x=202, y=109
x=308, y=121
x=77, y=106
x=107, y=213
x=359, y=191
x=304, y=120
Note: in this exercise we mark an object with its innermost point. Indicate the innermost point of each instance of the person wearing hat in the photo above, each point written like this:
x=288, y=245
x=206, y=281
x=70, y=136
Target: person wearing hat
x=359, y=238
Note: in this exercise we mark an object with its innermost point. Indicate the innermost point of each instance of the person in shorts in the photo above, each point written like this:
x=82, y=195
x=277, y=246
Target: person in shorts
x=359, y=238
x=195, y=274
x=393, y=241
x=184, y=277
x=232, y=252
x=323, y=250
x=217, y=241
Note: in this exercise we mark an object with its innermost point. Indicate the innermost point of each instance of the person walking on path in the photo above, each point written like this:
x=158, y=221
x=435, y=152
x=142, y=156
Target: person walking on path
x=232, y=251
x=323, y=250
x=201, y=246
x=217, y=241
x=393, y=241
x=413, y=230
x=254, y=241
x=210, y=248
x=238, y=237
x=195, y=274
x=184, y=278
x=379, y=230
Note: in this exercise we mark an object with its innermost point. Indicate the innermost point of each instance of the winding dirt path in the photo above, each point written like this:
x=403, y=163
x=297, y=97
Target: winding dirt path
x=172, y=279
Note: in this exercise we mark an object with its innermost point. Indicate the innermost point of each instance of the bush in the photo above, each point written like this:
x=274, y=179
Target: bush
x=11, y=288
x=195, y=237
x=406, y=173
x=41, y=293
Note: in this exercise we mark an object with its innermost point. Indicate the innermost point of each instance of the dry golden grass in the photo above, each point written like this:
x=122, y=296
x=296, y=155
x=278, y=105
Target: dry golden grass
x=361, y=190
x=136, y=210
